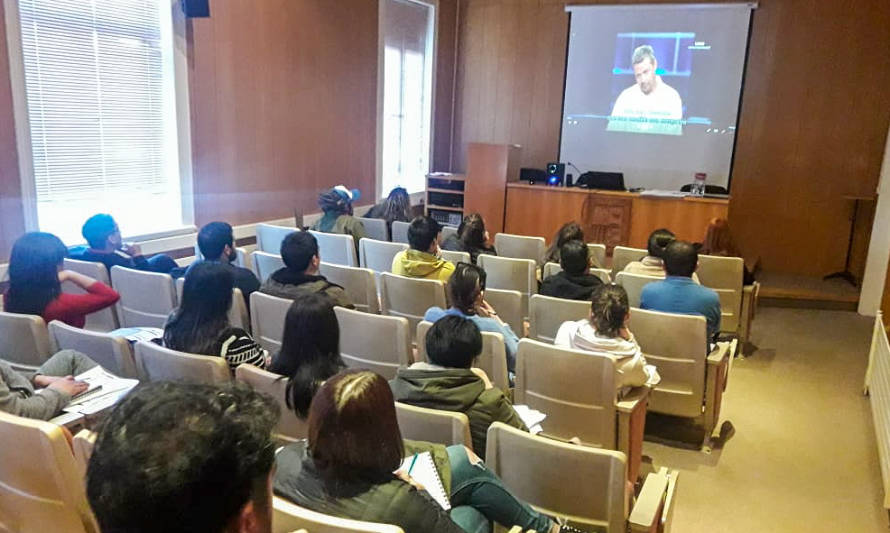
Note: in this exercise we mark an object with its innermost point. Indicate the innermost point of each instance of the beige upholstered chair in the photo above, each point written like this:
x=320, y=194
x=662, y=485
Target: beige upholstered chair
x=83, y=444
x=554, y=268
x=336, y=248
x=375, y=342
x=41, y=488
x=156, y=363
x=520, y=246
x=378, y=255
x=577, y=391
x=597, y=252
x=724, y=275
x=508, y=305
x=493, y=359
x=265, y=264
x=375, y=228
x=289, y=428
x=147, y=298
x=267, y=314
x=288, y=517
x=359, y=284
x=455, y=257
x=238, y=316
x=622, y=256
x=633, y=284
x=510, y=274
x=540, y=471
x=692, y=381
x=269, y=237
x=448, y=231
x=433, y=425
x=410, y=297
x=547, y=314
x=24, y=340
x=104, y=319
x=110, y=352
x=400, y=232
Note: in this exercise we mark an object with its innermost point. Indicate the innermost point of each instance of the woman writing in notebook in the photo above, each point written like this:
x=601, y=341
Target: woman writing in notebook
x=354, y=465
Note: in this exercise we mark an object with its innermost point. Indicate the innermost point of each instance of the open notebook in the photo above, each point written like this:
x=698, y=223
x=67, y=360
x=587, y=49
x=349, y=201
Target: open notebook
x=422, y=468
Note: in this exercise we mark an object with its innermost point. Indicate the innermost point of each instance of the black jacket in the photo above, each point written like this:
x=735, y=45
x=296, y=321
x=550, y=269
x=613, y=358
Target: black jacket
x=562, y=285
x=453, y=244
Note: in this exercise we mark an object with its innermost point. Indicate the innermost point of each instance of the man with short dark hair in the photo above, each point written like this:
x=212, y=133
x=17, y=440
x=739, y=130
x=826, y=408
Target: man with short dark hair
x=181, y=458
x=216, y=241
x=422, y=259
x=107, y=247
x=574, y=281
x=678, y=293
x=300, y=276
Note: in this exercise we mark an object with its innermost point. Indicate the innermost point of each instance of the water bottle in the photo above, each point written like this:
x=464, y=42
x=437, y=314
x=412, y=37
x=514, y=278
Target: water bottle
x=698, y=186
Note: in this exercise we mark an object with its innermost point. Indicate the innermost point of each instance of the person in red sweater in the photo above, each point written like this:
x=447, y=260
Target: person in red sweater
x=35, y=283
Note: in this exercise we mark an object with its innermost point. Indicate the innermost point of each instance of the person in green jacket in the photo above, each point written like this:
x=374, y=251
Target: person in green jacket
x=449, y=383
x=422, y=259
x=336, y=204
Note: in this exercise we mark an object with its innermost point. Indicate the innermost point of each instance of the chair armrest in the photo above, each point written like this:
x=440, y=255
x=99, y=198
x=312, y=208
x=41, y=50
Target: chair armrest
x=654, y=501
x=515, y=529
x=633, y=399
x=631, y=425
x=718, y=355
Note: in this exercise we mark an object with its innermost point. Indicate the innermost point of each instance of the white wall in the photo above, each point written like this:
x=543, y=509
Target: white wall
x=879, y=246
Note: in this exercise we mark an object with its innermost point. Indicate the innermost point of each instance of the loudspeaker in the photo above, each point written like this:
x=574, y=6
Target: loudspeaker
x=196, y=8
x=556, y=174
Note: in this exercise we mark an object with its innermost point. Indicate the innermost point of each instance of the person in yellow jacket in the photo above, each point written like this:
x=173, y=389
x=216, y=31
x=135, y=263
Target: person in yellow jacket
x=422, y=259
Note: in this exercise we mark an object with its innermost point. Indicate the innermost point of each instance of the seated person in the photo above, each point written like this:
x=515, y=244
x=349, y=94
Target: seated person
x=678, y=293
x=396, y=208
x=653, y=264
x=422, y=259
x=181, y=458
x=201, y=323
x=106, y=247
x=605, y=332
x=718, y=241
x=346, y=466
x=300, y=276
x=570, y=231
x=18, y=395
x=448, y=382
x=471, y=237
x=336, y=204
x=310, y=349
x=466, y=291
x=217, y=244
x=35, y=283
x=574, y=281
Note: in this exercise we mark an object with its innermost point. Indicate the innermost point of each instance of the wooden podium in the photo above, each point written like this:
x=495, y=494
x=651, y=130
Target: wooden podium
x=489, y=168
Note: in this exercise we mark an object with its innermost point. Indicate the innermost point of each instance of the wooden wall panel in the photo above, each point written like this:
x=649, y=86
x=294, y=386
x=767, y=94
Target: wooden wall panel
x=12, y=219
x=443, y=110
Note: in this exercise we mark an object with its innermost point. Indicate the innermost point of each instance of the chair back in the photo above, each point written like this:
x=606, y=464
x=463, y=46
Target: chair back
x=455, y=257
x=546, y=314
x=238, y=316
x=267, y=314
x=269, y=237
x=359, y=284
x=410, y=297
x=400, y=231
x=24, y=339
x=520, y=246
x=147, y=298
x=724, y=275
x=156, y=363
x=622, y=256
x=597, y=252
x=375, y=342
x=41, y=488
x=375, y=228
x=492, y=359
x=508, y=305
x=551, y=269
x=336, y=248
x=677, y=346
x=378, y=255
x=83, y=444
x=103, y=319
x=537, y=470
x=448, y=231
x=633, y=284
x=288, y=517
x=265, y=264
x=510, y=274
x=433, y=425
x=575, y=389
x=111, y=352
x=289, y=427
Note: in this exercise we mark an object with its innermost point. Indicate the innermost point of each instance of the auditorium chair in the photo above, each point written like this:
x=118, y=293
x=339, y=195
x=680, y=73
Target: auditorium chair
x=289, y=428
x=269, y=237
x=633, y=284
x=147, y=298
x=585, y=485
x=577, y=392
x=374, y=342
x=111, y=352
x=750, y=295
x=358, y=283
x=510, y=274
x=410, y=297
x=692, y=380
x=520, y=246
x=551, y=269
x=156, y=363
x=378, y=255
x=375, y=228
x=267, y=314
x=724, y=275
x=455, y=257
x=287, y=517
x=622, y=256
x=508, y=305
x=24, y=340
x=492, y=360
x=448, y=231
x=103, y=319
x=597, y=252
x=82, y=445
x=546, y=314
x=433, y=425
x=265, y=264
x=336, y=248
x=400, y=232
x=238, y=315
x=41, y=487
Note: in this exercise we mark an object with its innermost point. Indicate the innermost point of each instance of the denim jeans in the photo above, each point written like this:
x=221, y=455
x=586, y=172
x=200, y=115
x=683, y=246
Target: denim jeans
x=476, y=487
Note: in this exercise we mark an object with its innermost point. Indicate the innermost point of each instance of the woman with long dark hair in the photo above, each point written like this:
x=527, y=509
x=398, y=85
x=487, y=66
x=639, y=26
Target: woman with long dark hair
x=471, y=237
x=570, y=231
x=396, y=208
x=35, y=283
x=201, y=323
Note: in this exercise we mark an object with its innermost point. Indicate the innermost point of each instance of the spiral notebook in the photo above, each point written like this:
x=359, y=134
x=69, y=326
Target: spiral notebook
x=424, y=472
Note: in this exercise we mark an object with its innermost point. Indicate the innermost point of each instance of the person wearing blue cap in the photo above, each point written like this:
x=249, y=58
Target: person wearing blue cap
x=336, y=203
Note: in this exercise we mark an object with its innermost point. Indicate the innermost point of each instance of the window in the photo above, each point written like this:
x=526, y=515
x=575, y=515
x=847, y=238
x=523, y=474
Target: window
x=100, y=100
x=408, y=37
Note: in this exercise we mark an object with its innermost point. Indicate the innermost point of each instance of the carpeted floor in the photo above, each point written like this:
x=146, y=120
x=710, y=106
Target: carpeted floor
x=803, y=456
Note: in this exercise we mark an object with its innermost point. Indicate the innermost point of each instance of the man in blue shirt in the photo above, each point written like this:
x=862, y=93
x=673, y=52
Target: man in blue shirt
x=678, y=293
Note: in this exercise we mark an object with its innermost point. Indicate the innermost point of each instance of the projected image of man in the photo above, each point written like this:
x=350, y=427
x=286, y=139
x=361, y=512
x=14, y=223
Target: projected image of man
x=650, y=105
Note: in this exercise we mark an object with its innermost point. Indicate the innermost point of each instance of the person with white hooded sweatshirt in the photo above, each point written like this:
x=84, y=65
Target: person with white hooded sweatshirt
x=605, y=332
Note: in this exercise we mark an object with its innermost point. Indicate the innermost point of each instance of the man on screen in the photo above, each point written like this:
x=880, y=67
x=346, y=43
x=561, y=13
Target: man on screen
x=650, y=105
